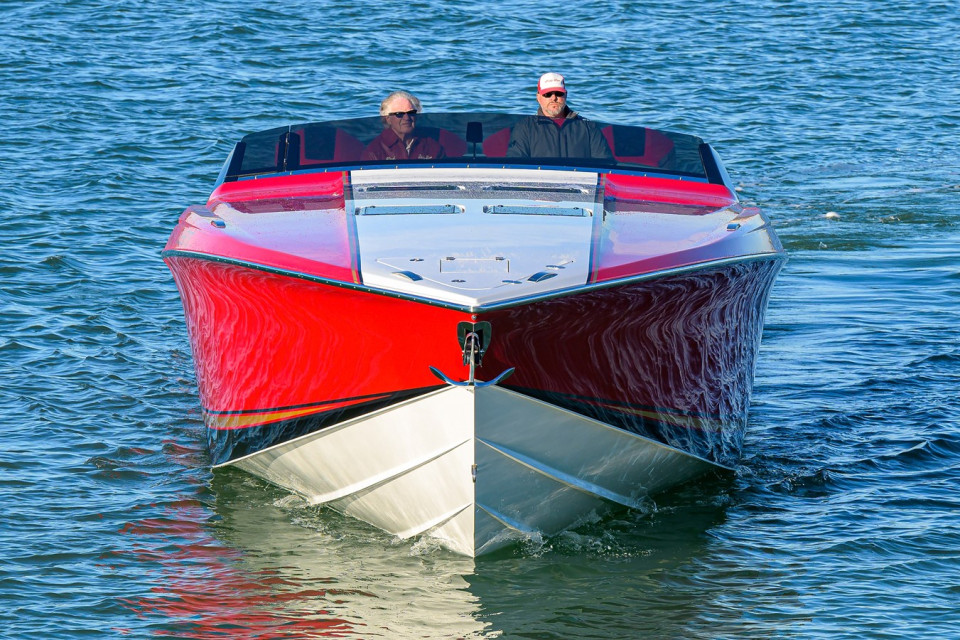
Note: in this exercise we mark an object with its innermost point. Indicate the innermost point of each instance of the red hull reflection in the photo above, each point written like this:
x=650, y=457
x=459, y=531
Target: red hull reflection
x=202, y=592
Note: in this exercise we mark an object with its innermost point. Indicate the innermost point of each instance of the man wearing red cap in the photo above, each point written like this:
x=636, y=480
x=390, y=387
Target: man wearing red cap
x=556, y=131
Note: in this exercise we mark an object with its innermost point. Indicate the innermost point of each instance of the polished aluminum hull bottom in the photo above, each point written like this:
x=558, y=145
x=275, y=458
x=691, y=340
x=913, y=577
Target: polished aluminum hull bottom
x=477, y=468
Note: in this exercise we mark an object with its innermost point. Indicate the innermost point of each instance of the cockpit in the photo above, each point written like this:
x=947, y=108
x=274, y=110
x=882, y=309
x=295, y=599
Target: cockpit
x=466, y=139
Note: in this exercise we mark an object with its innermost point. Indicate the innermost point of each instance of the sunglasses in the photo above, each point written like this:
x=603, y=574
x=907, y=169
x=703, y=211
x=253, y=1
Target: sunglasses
x=554, y=94
x=399, y=114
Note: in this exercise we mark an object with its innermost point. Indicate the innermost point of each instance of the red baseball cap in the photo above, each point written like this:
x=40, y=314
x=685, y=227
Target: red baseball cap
x=551, y=82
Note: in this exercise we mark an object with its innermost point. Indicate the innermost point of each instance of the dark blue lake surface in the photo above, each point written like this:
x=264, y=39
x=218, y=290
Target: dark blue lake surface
x=843, y=519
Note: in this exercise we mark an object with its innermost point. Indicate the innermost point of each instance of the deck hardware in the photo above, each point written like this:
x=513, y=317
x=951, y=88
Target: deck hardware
x=408, y=209
x=473, y=473
x=409, y=275
x=417, y=187
x=475, y=383
x=538, y=210
x=219, y=224
x=460, y=265
x=474, y=338
x=540, y=276
x=733, y=226
x=511, y=282
x=457, y=280
x=533, y=187
x=474, y=135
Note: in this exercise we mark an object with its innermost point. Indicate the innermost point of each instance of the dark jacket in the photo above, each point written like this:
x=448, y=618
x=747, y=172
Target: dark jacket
x=387, y=146
x=539, y=137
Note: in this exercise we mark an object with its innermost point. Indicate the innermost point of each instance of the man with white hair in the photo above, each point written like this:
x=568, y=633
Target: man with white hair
x=399, y=139
x=557, y=131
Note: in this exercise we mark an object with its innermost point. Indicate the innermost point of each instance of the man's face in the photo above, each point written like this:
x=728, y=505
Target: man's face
x=405, y=124
x=552, y=103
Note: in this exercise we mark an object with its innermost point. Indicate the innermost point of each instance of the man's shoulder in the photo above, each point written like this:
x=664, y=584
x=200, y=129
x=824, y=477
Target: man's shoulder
x=526, y=122
x=574, y=116
x=585, y=122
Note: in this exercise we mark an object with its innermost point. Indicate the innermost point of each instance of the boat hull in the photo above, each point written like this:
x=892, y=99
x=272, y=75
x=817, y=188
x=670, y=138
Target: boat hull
x=477, y=468
x=668, y=358
x=618, y=391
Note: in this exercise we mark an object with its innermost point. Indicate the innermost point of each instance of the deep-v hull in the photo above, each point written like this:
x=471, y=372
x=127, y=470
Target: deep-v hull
x=476, y=467
x=475, y=353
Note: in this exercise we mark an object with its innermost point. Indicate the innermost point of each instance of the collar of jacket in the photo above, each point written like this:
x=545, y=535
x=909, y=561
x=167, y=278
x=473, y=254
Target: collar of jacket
x=570, y=115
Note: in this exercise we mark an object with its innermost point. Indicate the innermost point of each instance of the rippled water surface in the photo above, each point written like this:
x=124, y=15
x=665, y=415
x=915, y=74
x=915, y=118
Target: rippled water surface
x=843, y=519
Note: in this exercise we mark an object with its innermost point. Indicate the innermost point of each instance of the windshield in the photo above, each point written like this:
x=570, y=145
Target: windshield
x=474, y=138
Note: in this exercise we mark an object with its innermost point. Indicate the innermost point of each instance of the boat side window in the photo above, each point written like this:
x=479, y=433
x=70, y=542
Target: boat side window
x=260, y=152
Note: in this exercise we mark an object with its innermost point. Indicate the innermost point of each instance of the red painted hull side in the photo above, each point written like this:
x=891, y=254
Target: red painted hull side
x=278, y=356
x=670, y=358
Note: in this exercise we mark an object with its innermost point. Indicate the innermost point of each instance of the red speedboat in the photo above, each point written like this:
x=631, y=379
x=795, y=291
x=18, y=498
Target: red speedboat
x=478, y=348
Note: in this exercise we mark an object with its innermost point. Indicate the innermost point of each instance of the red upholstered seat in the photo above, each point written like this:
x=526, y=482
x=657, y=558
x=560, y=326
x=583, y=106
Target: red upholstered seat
x=346, y=147
x=495, y=145
x=453, y=145
x=325, y=145
x=640, y=146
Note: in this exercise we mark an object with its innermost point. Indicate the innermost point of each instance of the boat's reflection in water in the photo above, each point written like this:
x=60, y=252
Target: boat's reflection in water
x=360, y=580
x=203, y=588
x=634, y=575
x=268, y=566
x=621, y=575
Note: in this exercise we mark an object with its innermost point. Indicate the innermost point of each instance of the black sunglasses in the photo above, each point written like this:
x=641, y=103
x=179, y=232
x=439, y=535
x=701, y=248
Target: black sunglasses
x=551, y=94
x=399, y=114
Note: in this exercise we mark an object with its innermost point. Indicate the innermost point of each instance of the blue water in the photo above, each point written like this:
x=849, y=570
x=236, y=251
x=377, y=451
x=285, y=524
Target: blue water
x=843, y=519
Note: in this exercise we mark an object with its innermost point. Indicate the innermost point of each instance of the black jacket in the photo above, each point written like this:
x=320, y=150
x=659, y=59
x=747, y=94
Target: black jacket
x=539, y=137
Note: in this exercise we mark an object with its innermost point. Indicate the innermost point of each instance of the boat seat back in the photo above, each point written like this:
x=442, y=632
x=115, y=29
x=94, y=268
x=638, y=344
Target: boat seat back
x=640, y=146
x=453, y=145
x=324, y=145
x=495, y=145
